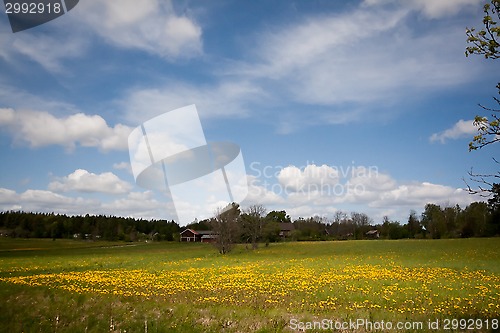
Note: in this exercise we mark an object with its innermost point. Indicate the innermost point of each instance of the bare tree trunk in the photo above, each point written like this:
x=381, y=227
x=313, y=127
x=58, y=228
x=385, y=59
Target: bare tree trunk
x=225, y=225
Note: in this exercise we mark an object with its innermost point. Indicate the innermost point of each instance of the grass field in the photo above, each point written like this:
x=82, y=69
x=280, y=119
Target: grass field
x=78, y=286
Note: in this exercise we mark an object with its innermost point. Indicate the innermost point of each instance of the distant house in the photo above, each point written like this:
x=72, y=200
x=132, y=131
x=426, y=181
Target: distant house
x=286, y=229
x=190, y=235
x=205, y=236
x=373, y=234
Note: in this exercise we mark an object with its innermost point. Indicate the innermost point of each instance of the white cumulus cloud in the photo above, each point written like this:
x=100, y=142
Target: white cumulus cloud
x=40, y=128
x=357, y=188
x=311, y=178
x=83, y=181
x=33, y=200
x=134, y=204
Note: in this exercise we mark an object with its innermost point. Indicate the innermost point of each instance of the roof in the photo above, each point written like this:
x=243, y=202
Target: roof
x=287, y=226
x=191, y=230
x=199, y=232
x=372, y=232
x=205, y=232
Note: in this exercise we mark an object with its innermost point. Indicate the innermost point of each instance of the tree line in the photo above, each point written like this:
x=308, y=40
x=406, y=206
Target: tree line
x=254, y=226
x=112, y=228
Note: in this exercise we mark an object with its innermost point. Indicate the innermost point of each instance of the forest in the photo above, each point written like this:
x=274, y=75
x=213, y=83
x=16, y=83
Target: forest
x=90, y=227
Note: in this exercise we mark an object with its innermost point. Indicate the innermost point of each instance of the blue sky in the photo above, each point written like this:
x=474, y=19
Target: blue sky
x=373, y=99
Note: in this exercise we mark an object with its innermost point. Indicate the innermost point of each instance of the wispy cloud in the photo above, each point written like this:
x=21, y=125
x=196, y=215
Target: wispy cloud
x=329, y=63
x=461, y=129
x=20, y=99
x=226, y=99
x=329, y=60
x=152, y=26
x=47, y=50
x=333, y=69
x=123, y=166
x=337, y=71
x=430, y=8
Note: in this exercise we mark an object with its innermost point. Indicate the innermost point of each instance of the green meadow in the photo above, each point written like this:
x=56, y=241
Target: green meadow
x=79, y=286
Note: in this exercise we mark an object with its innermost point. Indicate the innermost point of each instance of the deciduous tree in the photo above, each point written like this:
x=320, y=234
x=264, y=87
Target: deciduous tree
x=225, y=225
x=253, y=224
x=486, y=42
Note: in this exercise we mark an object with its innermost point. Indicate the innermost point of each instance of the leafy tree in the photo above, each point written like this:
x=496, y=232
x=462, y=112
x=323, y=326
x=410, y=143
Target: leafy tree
x=486, y=42
x=393, y=229
x=278, y=216
x=488, y=129
x=312, y=228
x=272, y=228
x=451, y=219
x=476, y=218
x=433, y=220
x=413, y=226
x=199, y=225
x=494, y=206
x=494, y=201
x=253, y=224
x=271, y=232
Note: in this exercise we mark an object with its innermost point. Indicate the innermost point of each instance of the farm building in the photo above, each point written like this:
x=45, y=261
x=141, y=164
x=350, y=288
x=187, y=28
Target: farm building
x=209, y=238
x=205, y=236
x=286, y=229
x=373, y=234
